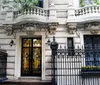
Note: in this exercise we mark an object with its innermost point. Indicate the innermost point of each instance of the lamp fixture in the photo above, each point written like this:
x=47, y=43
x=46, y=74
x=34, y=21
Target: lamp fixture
x=11, y=43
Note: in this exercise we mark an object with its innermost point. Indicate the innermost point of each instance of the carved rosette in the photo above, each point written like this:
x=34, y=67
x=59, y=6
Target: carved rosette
x=52, y=28
x=71, y=28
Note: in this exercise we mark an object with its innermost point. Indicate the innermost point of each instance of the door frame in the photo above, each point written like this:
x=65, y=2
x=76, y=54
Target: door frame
x=19, y=37
x=30, y=57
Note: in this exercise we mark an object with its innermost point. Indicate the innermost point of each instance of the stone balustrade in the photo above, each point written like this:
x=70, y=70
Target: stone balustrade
x=93, y=9
x=84, y=14
x=30, y=11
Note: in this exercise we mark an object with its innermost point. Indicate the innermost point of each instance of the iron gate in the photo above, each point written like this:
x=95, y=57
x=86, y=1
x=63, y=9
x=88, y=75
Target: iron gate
x=72, y=69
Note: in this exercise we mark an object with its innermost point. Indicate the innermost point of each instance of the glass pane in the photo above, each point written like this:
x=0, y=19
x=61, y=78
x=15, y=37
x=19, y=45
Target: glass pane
x=70, y=43
x=36, y=60
x=88, y=2
x=27, y=43
x=25, y=60
x=36, y=43
x=40, y=3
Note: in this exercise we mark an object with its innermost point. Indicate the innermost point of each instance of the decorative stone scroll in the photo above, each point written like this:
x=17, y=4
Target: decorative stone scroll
x=30, y=28
x=8, y=29
x=71, y=28
x=93, y=27
x=52, y=28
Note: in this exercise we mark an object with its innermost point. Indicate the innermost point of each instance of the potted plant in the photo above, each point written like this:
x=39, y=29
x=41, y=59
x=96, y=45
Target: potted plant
x=90, y=71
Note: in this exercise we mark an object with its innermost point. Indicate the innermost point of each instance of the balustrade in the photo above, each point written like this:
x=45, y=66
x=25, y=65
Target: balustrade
x=33, y=10
x=87, y=10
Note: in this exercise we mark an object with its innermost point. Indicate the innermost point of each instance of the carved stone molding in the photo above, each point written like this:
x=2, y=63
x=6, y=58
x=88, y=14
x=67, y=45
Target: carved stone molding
x=30, y=28
x=8, y=29
x=52, y=28
x=71, y=28
x=93, y=27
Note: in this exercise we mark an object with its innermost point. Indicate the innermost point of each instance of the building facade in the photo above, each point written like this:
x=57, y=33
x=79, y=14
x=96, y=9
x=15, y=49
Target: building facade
x=24, y=33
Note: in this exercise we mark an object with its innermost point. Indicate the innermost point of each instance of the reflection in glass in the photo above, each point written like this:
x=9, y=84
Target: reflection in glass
x=31, y=57
x=36, y=59
x=27, y=43
x=25, y=59
x=36, y=42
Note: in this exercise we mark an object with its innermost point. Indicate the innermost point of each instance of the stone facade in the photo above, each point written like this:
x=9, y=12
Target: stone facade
x=66, y=19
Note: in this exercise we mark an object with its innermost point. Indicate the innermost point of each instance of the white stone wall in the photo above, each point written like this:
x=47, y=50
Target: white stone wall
x=61, y=37
x=4, y=43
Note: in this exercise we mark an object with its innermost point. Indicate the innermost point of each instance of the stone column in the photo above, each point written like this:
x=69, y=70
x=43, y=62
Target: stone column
x=76, y=3
x=71, y=12
x=9, y=17
x=51, y=1
x=1, y=2
x=52, y=12
x=46, y=4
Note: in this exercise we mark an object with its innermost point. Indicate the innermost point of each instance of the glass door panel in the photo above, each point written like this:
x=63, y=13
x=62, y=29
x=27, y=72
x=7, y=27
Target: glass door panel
x=31, y=57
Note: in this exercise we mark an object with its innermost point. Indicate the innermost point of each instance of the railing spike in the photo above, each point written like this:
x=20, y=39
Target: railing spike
x=65, y=47
x=82, y=47
x=60, y=47
x=78, y=47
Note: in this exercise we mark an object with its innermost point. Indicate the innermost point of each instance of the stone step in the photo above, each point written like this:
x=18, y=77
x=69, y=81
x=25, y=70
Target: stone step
x=26, y=82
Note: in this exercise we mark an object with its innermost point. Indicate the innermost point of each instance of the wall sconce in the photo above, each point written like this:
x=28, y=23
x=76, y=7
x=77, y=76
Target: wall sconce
x=49, y=42
x=11, y=43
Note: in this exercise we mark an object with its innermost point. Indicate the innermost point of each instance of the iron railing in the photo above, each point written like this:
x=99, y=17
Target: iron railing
x=77, y=69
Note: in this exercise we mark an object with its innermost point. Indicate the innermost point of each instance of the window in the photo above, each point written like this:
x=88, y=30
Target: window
x=92, y=50
x=40, y=4
x=89, y=2
x=70, y=46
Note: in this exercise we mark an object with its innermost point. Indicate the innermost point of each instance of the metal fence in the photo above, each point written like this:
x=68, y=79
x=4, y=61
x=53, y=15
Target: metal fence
x=75, y=66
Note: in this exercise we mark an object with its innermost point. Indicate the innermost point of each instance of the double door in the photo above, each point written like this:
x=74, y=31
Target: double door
x=31, y=57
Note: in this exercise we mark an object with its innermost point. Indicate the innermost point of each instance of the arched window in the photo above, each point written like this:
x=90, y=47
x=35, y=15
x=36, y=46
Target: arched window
x=89, y=2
